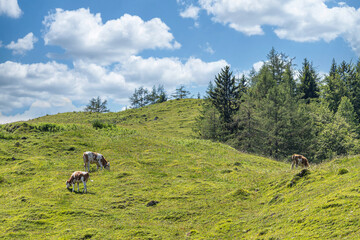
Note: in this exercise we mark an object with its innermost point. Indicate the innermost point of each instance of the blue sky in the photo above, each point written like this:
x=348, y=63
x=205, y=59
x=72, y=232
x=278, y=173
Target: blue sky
x=56, y=55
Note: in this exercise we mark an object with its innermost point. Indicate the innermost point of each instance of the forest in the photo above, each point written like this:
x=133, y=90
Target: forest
x=278, y=110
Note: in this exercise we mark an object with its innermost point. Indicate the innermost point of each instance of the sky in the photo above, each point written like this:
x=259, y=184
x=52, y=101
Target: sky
x=57, y=55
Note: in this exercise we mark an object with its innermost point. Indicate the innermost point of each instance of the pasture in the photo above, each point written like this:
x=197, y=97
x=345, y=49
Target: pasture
x=198, y=189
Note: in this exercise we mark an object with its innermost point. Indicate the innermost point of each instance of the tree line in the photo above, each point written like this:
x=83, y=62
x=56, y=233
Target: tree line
x=140, y=98
x=278, y=111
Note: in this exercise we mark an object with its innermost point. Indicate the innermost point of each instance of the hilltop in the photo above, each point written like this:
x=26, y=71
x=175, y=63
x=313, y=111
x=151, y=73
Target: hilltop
x=204, y=189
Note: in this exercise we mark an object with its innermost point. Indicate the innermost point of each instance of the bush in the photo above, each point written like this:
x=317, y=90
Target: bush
x=97, y=124
x=343, y=171
x=49, y=127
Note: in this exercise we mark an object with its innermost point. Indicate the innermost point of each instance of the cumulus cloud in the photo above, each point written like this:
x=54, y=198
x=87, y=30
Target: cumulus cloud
x=84, y=36
x=10, y=8
x=190, y=12
x=23, y=44
x=49, y=88
x=170, y=71
x=41, y=108
x=297, y=20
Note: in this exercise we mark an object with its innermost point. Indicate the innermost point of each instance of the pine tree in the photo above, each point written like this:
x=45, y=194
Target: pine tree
x=308, y=88
x=181, y=93
x=139, y=98
x=225, y=95
x=248, y=137
x=161, y=94
x=97, y=105
x=208, y=124
x=346, y=111
x=334, y=89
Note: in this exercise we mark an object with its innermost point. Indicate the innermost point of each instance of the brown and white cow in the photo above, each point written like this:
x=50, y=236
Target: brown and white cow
x=93, y=157
x=78, y=177
x=298, y=159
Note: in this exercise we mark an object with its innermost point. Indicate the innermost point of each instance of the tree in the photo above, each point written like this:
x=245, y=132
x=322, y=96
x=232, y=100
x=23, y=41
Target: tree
x=157, y=95
x=139, y=98
x=346, y=111
x=225, y=95
x=97, y=105
x=161, y=94
x=208, y=124
x=308, y=88
x=181, y=93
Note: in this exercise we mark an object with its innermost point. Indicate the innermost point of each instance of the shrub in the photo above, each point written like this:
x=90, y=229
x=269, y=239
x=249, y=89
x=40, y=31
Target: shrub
x=343, y=171
x=97, y=124
x=49, y=127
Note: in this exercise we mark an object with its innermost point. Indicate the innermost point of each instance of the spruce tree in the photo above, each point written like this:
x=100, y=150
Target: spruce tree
x=308, y=88
x=225, y=95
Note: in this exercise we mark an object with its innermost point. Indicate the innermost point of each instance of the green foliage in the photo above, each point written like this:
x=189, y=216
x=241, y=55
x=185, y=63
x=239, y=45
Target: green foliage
x=181, y=93
x=98, y=124
x=204, y=189
x=142, y=97
x=274, y=116
x=97, y=105
x=225, y=94
x=48, y=127
x=342, y=171
x=308, y=88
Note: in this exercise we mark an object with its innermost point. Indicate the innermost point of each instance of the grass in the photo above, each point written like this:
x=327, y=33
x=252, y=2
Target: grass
x=203, y=190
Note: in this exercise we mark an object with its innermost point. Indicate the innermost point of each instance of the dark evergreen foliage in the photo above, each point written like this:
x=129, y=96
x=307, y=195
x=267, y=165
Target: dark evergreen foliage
x=308, y=88
x=142, y=97
x=270, y=112
x=225, y=95
x=97, y=105
x=181, y=93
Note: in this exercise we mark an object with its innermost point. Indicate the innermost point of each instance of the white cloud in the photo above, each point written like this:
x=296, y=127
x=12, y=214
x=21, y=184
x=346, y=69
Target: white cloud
x=207, y=48
x=41, y=108
x=258, y=65
x=84, y=36
x=297, y=20
x=49, y=88
x=10, y=8
x=190, y=12
x=23, y=44
x=170, y=72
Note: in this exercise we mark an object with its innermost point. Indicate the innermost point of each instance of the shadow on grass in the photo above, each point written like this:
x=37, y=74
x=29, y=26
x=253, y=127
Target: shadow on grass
x=80, y=192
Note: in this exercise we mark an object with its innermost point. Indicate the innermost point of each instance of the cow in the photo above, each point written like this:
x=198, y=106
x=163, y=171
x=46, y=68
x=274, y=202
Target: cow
x=93, y=157
x=299, y=159
x=78, y=177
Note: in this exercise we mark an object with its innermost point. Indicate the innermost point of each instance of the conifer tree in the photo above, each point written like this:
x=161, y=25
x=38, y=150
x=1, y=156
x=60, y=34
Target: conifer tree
x=181, y=93
x=139, y=98
x=346, y=111
x=225, y=95
x=308, y=88
x=97, y=105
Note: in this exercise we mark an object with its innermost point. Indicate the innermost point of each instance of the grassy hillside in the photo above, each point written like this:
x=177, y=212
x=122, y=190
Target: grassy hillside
x=204, y=190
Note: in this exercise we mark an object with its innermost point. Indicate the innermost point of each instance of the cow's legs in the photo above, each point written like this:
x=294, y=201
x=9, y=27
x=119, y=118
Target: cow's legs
x=85, y=189
x=73, y=187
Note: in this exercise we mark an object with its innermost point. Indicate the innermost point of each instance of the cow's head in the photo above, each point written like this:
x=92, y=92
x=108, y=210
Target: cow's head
x=68, y=184
x=107, y=166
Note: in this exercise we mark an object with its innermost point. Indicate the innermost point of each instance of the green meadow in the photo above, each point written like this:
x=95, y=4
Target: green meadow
x=198, y=189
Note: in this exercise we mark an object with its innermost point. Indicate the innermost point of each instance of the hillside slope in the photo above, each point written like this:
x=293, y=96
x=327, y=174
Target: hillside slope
x=204, y=190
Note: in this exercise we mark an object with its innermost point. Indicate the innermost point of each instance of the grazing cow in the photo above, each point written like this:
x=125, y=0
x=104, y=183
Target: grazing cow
x=78, y=177
x=299, y=159
x=93, y=157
